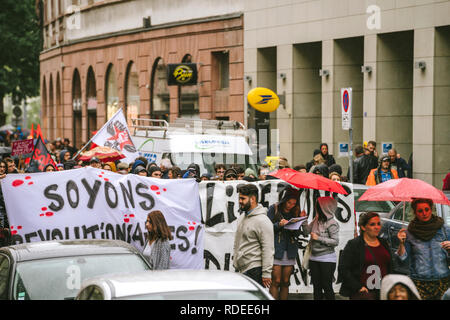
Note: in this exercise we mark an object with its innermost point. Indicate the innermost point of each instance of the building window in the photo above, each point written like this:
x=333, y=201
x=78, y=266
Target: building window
x=159, y=91
x=112, y=96
x=222, y=66
x=132, y=99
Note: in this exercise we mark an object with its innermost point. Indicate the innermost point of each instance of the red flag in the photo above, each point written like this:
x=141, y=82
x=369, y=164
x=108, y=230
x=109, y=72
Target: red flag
x=39, y=132
x=31, y=136
x=40, y=156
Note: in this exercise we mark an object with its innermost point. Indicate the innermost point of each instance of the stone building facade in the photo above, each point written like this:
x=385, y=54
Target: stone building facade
x=103, y=55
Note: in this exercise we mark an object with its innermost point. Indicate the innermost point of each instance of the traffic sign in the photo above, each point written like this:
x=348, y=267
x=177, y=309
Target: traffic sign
x=346, y=106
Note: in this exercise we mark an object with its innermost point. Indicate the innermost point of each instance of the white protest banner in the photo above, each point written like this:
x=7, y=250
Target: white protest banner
x=220, y=205
x=115, y=134
x=90, y=203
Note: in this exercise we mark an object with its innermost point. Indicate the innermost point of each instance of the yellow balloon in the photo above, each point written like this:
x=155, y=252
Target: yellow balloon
x=263, y=99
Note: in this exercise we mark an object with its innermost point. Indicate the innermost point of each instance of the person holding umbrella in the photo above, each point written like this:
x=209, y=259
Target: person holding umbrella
x=426, y=243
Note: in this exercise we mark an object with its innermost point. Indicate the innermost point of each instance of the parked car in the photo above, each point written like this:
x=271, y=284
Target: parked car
x=173, y=285
x=381, y=207
x=54, y=270
x=399, y=218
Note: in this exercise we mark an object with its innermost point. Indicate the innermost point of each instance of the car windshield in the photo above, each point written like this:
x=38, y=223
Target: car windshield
x=201, y=295
x=366, y=206
x=61, y=278
x=207, y=161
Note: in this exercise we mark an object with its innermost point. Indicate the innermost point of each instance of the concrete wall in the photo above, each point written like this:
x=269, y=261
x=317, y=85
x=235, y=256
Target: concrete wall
x=307, y=111
x=394, y=103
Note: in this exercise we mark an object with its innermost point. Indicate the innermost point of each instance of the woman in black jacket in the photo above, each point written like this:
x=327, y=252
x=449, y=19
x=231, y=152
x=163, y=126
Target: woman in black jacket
x=286, y=246
x=365, y=261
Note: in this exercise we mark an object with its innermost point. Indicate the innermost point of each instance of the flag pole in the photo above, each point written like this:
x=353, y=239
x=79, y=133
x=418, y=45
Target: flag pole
x=85, y=146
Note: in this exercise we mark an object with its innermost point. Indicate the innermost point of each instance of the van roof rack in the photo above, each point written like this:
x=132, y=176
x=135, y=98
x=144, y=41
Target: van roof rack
x=146, y=125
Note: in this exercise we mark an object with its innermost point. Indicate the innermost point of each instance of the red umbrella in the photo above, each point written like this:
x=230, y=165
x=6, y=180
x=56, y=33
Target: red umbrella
x=104, y=154
x=308, y=180
x=404, y=189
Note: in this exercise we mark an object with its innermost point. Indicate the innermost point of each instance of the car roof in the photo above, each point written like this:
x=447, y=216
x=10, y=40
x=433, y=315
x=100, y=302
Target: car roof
x=67, y=248
x=158, y=281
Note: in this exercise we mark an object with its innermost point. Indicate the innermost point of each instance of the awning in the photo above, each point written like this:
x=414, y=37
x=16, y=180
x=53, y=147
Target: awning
x=227, y=144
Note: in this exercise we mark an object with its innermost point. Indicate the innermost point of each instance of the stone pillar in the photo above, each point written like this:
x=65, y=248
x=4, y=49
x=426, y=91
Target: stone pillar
x=284, y=87
x=441, y=111
x=328, y=95
x=370, y=88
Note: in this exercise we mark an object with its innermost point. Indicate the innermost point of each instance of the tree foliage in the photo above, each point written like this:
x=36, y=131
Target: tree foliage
x=20, y=39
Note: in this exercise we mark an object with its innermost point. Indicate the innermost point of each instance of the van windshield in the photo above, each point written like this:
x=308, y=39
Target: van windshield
x=207, y=161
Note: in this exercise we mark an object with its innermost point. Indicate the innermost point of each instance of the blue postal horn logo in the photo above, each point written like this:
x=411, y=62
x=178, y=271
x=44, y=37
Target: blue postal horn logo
x=265, y=99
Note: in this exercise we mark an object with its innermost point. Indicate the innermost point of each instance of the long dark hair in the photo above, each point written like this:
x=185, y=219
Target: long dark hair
x=160, y=229
x=279, y=209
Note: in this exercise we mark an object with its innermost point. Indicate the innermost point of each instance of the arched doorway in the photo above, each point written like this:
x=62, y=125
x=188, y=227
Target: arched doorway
x=111, y=94
x=76, y=109
x=159, y=91
x=132, y=99
x=44, y=111
x=51, y=112
x=59, y=108
x=91, y=97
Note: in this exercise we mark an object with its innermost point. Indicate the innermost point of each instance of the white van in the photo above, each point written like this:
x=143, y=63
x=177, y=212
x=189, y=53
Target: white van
x=186, y=141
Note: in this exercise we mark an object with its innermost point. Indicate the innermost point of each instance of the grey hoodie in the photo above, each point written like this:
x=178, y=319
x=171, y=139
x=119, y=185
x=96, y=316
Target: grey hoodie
x=254, y=242
x=389, y=281
x=327, y=231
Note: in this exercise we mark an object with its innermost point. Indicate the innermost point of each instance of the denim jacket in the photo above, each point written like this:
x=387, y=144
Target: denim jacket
x=283, y=238
x=427, y=259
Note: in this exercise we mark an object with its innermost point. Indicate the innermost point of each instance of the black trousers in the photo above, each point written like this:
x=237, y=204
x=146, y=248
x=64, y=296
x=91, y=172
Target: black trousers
x=322, y=279
x=255, y=274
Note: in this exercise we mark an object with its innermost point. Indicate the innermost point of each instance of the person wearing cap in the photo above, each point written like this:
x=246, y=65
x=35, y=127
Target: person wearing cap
x=286, y=247
x=140, y=171
x=324, y=231
x=60, y=167
x=122, y=168
x=95, y=163
x=230, y=175
x=383, y=173
x=64, y=156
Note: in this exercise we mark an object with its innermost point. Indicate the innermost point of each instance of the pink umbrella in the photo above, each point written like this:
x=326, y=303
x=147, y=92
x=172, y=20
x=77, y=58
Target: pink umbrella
x=404, y=189
x=308, y=180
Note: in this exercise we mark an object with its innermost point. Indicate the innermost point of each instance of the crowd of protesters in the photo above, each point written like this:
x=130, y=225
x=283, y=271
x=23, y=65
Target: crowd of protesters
x=265, y=251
